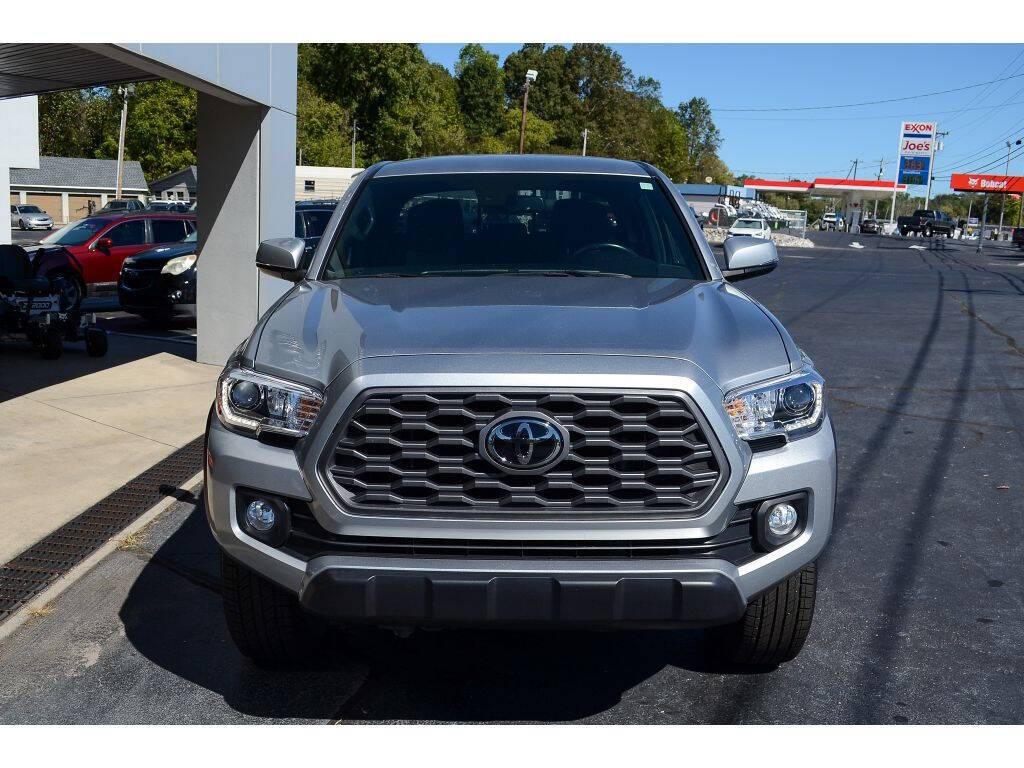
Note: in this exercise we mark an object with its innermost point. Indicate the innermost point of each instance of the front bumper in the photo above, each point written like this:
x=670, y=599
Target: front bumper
x=39, y=224
x=615, y=590
x=159, y=292
x=540, y=593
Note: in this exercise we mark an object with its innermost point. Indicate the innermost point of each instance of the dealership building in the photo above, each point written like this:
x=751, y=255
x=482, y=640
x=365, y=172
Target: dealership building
x=246, y=148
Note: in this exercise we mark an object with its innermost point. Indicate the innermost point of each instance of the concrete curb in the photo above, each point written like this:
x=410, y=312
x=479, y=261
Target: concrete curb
x=23, y=614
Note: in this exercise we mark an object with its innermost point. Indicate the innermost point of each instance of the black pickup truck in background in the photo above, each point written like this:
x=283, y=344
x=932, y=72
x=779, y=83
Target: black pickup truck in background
x=926, y=223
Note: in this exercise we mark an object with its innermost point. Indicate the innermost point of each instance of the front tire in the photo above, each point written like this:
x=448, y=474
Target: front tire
x=776, y=623
x=265, y=622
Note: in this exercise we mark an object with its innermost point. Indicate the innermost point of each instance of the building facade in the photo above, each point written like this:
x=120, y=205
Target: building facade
x=70, y=188
x=180, y=185
x=314, y=182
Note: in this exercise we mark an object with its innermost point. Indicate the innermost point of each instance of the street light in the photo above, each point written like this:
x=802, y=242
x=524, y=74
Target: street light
x=125, y=91
x=531, y=76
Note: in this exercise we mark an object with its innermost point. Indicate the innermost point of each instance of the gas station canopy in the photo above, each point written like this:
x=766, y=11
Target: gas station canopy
x=863, y=189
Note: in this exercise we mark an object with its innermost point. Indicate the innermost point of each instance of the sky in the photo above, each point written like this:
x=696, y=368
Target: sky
x=825, y=142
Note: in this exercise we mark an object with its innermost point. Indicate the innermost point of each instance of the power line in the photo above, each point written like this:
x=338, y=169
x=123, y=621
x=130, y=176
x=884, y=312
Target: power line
x=865, y=103
x=863, y=117
x=986, y=150
x=993, y=164
x=987, y=89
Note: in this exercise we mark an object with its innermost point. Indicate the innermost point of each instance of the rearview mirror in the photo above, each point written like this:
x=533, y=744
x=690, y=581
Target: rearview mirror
x=282, y=257
x=748, y=257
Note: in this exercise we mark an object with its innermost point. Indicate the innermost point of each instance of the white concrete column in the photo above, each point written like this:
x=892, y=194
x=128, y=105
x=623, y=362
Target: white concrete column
x=5, y=195
x=23, y=197
x=64, y=208
x=103, y=199
x=246, y=153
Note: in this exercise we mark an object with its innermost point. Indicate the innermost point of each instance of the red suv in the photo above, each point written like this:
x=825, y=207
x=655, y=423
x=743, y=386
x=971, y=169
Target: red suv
x=99, y=244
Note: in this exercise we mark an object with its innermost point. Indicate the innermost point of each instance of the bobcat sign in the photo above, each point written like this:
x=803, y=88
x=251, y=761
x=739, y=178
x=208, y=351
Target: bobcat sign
x=976, y=182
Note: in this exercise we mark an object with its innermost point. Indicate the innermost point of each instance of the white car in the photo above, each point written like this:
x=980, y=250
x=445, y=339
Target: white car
x=750, y=228
x=30, y=217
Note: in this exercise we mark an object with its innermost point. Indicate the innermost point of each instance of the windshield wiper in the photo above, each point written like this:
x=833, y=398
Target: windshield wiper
x=542, y=272
x=572, y=273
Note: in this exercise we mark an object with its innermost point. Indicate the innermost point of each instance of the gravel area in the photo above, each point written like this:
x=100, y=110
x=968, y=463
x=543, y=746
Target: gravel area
x=716, y=235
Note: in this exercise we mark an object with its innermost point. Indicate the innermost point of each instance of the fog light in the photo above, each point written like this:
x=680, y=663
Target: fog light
x=261, y=515
x=782, y=519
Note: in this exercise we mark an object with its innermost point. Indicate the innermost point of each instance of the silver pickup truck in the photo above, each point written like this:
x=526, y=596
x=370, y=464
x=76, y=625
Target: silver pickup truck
x=519, y=391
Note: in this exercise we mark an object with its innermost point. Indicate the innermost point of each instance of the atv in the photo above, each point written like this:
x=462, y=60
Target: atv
x=36, y=308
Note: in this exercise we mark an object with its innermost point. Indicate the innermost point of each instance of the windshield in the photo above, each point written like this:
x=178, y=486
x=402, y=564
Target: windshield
x=191, y=237
x=75, y=233
x=29, y=209
x=482, y=223
x=747, y=224
x=316, y=222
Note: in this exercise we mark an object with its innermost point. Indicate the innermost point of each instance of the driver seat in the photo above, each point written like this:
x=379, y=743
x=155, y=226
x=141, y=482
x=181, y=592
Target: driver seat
x=576, y=223
x=16, y=273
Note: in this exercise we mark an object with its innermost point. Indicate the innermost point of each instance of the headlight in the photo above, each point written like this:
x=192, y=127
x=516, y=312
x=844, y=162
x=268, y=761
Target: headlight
x=791, y=406
x=253, y=402
x=179, y=264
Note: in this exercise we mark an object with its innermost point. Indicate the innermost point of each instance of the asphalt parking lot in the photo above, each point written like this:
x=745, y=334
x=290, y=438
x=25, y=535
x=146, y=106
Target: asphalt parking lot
x=919, y=616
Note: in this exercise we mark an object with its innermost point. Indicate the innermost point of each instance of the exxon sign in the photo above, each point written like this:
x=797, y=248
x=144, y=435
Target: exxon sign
x=916, y=139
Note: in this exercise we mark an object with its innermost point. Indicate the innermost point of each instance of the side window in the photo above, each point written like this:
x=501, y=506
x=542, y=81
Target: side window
x=14, y=209
x=168, y=230
x=300, y=228
x=128, y=233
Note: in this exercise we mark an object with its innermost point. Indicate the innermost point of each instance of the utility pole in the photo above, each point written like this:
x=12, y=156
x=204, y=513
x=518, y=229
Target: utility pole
x=984, y=216
x=855, y=162
x=125, y=92
x=881, y=164
x=1002, y=200
x=931, y=165
x=585, y=132
x=355, y=127
x=531, y=75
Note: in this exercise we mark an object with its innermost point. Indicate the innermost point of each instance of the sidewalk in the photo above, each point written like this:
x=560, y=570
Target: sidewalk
x=66, y=446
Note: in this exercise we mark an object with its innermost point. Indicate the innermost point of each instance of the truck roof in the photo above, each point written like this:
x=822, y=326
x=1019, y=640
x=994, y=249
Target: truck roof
x=512, y=164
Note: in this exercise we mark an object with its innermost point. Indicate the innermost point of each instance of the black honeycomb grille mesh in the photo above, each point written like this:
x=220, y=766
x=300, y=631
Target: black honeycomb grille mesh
x=634, y=453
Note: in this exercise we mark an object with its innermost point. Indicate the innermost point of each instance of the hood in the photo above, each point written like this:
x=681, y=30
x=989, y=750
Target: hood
x=161, y=254
x=319, y=329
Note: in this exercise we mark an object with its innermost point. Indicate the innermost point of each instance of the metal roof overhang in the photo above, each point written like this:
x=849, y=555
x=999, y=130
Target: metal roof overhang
x=31, y=68
x=27, y=69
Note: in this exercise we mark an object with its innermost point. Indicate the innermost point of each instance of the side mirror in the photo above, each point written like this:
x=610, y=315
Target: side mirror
x=104, y=243
x=282, y=257
x=748, y=257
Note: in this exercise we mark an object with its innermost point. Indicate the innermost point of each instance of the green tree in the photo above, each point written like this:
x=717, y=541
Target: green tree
x=703, y=135
x=161, y=128
x=323, y=131
x=481, y=91
x=403, y=104
x=160, y=131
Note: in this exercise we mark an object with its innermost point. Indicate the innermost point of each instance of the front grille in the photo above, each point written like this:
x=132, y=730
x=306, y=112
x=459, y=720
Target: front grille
x=138, y=279
x=631, y=454
x=308, y=539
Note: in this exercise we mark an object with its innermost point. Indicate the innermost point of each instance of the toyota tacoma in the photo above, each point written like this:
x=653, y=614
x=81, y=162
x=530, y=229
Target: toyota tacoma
x=519, y=391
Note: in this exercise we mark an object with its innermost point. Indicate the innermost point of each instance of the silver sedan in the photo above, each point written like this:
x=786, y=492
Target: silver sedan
x=30, y=217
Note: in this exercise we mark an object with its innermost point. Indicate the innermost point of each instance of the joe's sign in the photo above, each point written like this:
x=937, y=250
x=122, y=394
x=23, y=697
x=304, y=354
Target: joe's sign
x=916, y=139
x=979, y=182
